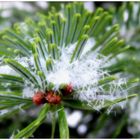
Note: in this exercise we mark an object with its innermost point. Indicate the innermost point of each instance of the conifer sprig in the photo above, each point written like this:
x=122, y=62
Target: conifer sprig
x=64, y=58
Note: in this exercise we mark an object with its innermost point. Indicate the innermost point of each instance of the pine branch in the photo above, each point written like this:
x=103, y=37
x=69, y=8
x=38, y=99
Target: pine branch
x=64, y=58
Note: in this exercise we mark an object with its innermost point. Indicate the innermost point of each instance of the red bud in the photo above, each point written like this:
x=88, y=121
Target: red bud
x=39, y=98
x=52, y=98
x=68, y=89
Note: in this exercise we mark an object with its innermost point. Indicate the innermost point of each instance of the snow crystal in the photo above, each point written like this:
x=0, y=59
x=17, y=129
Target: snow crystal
x=84, y=74
x=90, y=43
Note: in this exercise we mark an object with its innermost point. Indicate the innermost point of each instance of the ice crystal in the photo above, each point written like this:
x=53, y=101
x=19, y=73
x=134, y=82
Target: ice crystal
x=80, y=72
